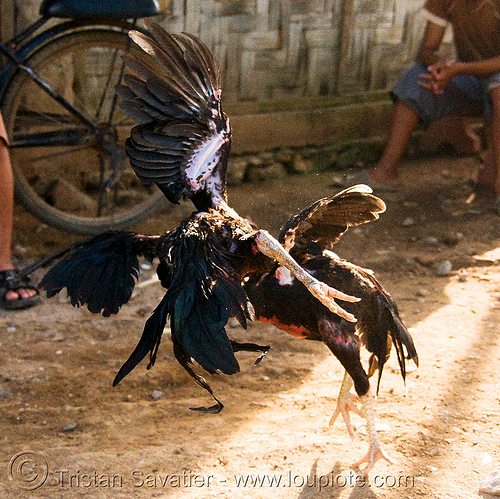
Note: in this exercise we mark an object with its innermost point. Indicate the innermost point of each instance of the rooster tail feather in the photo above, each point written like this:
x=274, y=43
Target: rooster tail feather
x=149, y=342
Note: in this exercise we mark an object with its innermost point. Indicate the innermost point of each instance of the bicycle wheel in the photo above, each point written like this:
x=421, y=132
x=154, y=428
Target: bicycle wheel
x=71, y=172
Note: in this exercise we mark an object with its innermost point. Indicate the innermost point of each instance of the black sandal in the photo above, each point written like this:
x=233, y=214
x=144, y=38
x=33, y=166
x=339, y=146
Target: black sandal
x=11, y=280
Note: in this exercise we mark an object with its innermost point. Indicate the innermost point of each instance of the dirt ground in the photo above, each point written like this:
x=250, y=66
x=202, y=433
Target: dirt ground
x=272, y=439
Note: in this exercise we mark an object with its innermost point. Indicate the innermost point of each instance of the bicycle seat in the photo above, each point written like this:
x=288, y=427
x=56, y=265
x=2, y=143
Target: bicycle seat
x=101, y=10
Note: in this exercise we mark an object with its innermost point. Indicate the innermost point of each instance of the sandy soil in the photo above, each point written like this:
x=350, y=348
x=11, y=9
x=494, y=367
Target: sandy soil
x=57, y=365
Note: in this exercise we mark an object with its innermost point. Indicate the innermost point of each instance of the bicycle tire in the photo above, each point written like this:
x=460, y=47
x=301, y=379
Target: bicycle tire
x=65, y=193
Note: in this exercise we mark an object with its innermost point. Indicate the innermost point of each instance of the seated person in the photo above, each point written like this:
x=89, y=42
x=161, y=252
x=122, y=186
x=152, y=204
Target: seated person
x=435, y=87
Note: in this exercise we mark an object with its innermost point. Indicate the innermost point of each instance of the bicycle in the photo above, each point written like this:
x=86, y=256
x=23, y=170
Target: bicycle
x=66, y=132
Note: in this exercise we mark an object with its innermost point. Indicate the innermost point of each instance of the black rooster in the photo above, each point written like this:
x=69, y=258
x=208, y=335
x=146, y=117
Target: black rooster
x=309, y=236
x=182, y=144
x=216, y=264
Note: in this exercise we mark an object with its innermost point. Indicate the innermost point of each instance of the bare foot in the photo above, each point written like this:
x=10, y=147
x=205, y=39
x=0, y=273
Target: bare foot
x=20, y=293
x=16, y=292
x=378, y=174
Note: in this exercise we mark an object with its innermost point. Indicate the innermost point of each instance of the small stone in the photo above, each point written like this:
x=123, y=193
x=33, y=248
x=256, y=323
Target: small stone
x=255, y=161
x=284, y=156
x=431, y=241
x=444, y=268
x=491, y=485
x=19, y=250
x=275, y=170
x=156, y=394
x=267, y=158
x=69, y=427
x=262, y=173
x=408, y=222
x=301, y=165
x=11, y=329
x=382, y=427
x=338, y=181
x=236, y=170
x=462, y=276
x=4, y=394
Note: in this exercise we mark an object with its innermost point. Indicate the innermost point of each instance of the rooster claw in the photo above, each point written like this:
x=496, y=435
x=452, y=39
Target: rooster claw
x=344, y=405
x=375, y=453
x=270, y=247
x=326, y=294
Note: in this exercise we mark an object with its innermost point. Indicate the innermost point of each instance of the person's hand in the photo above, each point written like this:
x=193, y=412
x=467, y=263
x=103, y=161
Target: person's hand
x=439, y=75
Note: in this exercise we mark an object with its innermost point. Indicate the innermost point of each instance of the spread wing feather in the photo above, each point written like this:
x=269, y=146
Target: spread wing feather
x=183, y=138
x=200, y=57
x=102, y=271
x=324, y=222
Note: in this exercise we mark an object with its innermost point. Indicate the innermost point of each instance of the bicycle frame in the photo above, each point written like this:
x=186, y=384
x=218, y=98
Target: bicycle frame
x=17, y=62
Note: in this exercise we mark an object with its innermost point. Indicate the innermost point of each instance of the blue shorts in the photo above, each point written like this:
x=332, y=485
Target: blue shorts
x=465, y=95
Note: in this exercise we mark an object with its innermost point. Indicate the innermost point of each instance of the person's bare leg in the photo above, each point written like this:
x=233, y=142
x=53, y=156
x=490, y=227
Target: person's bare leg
x=6, y=219
x=6, y=207
x=486, y=173
x=404, y=121
x=494, y=144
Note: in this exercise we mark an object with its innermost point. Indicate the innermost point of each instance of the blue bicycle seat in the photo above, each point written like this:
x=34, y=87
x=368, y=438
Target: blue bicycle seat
x=100, y=10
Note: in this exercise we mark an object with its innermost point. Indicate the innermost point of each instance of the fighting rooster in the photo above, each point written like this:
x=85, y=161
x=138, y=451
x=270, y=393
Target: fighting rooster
x=182, y=144
x=309, y=237
x=215, y=264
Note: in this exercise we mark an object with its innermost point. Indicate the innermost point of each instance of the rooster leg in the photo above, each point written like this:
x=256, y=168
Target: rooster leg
x=270, y=247
x=375, y=451
x=345, y=403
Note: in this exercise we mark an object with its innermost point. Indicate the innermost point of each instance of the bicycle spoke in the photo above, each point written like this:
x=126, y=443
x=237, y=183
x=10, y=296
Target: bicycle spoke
x=65, y=137
x=109, y=85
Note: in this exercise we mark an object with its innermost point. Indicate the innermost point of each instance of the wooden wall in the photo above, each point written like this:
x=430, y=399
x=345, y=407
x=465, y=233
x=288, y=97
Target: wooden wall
x=284, y=48
x=271, y=49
